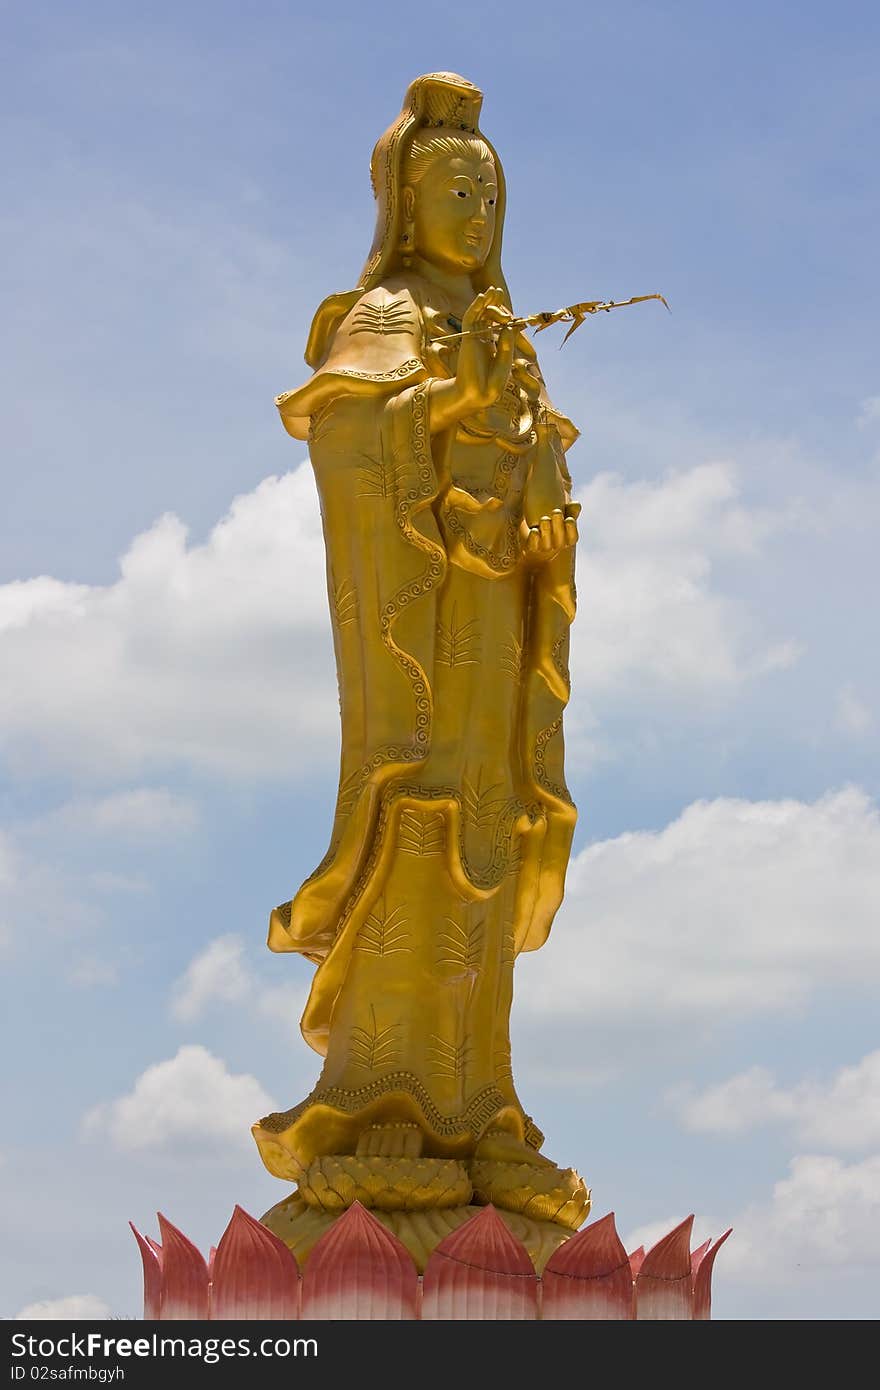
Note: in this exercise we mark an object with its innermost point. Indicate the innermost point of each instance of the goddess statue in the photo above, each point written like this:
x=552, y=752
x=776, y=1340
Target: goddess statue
x=450, y=534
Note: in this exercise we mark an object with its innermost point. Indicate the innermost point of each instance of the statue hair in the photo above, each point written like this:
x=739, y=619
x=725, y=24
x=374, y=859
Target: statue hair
x=423, y=151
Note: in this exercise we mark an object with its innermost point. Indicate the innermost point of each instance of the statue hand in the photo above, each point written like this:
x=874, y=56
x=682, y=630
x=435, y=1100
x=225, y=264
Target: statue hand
x=486, y=353
x=553, y=533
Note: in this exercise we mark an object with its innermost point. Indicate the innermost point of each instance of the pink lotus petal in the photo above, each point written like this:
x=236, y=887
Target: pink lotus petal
x=697, y=1256
x=359, y=1270
x=589, y=1277
x=480, y=1272
x=636, y=1260
x=152, y=1275
x=703, y=1281
x=664, y=1291
x=184, y=1277
x=256, y=1278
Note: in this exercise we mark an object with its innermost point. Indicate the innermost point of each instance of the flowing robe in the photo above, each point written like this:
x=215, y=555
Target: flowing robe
x=453, y=823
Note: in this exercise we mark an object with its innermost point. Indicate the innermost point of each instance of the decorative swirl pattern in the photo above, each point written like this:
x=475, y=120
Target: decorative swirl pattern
x=556, y=789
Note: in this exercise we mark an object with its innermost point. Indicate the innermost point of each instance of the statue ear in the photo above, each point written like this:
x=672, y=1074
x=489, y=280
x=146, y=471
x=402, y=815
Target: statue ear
x=408, y=202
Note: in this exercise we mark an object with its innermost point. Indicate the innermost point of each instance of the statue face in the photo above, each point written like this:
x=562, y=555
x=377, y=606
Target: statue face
x=454, y=212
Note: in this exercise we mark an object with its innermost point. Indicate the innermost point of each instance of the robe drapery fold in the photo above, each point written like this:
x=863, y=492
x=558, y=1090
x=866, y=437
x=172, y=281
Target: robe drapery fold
x=453, y=823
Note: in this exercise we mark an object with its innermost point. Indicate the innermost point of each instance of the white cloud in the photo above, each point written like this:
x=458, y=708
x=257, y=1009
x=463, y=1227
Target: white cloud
x=820, y=1221
x=150, y=811
x=824, y=1214
x=651, y=615
x=21, y=601
x=221, y=974
x=76, y=1307
x=735, y=908
x=843, y=1113
x=217, y=974
x=219, y=655
x=215, y=655
x=190, y=1101
x=734, y=1106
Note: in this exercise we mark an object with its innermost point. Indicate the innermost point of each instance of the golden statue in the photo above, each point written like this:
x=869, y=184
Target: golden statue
x=450, y=533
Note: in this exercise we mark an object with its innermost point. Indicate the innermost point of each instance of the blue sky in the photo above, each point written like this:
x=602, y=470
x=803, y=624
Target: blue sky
x=187, y=182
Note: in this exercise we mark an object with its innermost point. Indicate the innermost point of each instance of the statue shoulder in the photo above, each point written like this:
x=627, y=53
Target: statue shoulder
x=383, y=325
x=374, y=346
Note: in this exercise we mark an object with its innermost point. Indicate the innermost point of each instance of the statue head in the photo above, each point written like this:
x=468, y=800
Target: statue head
x=432, y=173
x=429, y=172
x=448, y=201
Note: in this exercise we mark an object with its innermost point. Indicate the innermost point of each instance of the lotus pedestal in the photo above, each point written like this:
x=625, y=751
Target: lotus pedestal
x=487, y=1267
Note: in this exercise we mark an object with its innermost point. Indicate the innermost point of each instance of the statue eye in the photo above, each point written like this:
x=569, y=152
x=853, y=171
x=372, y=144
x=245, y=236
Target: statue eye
x=459, y=193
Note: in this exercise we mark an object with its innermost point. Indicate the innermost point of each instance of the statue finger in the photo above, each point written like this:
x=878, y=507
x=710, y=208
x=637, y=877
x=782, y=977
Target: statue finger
x=473, y=313
x=499, y=304
x=546, y=533
x=534, y=540
x=573, y=509
x=504, y=354
x=571, y=531
x=496, y=303
x=557, y=527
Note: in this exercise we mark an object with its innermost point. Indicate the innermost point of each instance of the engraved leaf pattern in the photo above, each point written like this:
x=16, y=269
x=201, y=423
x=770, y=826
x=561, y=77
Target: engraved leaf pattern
x=503, y=1063
x=374, y=1046
x=448, y=1059
x=508, y=946
x=479, y=804
x=345, y=603
x=458, y=644
x=392, y=316
x=378, y=477
x=321, y=424
x=348, y=793
x=461, y=945
x=384, y=933
x=422, y=833
x=512, y=657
